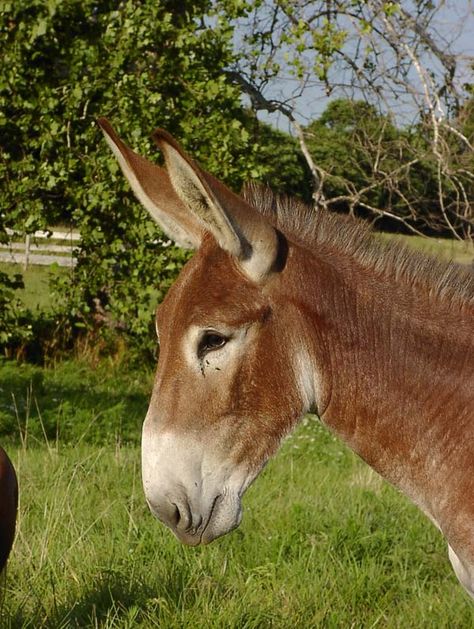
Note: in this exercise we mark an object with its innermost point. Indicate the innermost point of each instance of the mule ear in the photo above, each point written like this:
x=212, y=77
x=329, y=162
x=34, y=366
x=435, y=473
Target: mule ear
x=237, y=227
x=151, y=185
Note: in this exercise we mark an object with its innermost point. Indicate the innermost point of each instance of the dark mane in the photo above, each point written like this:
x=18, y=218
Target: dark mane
x=318, y=228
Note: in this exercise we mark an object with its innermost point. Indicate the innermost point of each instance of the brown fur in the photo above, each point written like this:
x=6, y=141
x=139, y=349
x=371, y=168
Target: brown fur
x=8, y=506
x=252, y=388
x=315, y=227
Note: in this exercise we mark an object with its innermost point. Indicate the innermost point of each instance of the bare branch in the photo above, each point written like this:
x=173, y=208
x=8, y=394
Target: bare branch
x=391, y=56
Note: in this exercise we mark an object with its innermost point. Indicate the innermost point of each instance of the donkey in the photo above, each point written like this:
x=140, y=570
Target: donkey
x=283, y=310
x=8, y=506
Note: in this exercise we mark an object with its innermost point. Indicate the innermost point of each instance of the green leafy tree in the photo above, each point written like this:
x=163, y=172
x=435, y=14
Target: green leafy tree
x=142, y=64
x=286, y=170
x=370, y=166
x=15, y=329
x=367, y=164
x=343, y=140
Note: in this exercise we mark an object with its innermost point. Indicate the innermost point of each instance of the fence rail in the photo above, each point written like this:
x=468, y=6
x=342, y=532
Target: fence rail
x=30, y=251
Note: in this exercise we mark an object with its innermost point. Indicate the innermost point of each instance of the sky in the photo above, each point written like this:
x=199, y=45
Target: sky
x=454, y=30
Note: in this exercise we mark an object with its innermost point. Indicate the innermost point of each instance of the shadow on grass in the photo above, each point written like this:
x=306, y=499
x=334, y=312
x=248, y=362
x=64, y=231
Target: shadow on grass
x=112, y=599
x=109, y=598
x=72, y=402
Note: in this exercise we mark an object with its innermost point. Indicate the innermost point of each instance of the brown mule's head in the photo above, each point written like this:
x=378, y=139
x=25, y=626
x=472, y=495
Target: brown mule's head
x=230, y=380
x=8, y=506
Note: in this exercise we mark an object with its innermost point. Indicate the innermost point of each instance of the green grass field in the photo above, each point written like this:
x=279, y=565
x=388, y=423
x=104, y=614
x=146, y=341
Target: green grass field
x=324, y=541
x=456, y=250
x=36, y=293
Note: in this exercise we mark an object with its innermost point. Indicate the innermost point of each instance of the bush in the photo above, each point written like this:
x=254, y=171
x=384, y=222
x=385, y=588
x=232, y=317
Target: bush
x=142, y=64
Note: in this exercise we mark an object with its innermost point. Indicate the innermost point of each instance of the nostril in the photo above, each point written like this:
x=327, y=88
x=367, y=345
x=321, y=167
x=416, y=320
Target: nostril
x=176, y=515
x=180, y=517
x=173, y=514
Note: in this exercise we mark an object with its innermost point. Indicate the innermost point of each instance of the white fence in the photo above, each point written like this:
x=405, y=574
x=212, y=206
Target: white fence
x=42, y=247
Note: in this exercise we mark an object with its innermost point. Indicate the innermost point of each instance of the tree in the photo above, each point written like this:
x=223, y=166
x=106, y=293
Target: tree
x=286, y=170
x=142, y=64
x=388, y=54
x=343, y=142
x=371, y=167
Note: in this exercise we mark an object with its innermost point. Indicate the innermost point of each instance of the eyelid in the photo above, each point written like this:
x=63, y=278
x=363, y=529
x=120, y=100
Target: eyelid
x=219, y=330
x=212, y=331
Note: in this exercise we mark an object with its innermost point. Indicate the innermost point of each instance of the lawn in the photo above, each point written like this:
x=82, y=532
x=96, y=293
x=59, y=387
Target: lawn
x=36, y=293
x=444, y=248
x=324, y=541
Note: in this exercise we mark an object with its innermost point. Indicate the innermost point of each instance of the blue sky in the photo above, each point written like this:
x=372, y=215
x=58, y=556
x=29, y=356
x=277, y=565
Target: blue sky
x=454, y=28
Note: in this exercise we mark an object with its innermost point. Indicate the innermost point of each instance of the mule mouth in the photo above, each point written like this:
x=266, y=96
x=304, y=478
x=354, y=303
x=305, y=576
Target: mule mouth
x=224, y=516
x=214, y=508
x=208, y=536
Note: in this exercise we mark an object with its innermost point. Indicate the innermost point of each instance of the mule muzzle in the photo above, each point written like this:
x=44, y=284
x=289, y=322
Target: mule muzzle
x=199, y=520
x=191, y=486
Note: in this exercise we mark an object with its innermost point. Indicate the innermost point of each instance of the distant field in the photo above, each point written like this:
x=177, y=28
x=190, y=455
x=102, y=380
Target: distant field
x=456, y=250
x=36, y=293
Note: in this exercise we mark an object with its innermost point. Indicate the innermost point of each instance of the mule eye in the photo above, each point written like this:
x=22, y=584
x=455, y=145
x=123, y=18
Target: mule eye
x=211, y=341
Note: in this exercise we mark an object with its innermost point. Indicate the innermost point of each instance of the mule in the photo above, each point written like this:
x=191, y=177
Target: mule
x=283, y=310
x=8, y=506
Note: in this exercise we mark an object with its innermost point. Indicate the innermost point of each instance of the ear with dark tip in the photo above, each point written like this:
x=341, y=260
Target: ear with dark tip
x=152, y=186
x=238, y=228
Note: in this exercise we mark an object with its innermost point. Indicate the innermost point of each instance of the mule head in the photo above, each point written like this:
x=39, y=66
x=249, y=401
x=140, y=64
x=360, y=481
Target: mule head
x=228, y=386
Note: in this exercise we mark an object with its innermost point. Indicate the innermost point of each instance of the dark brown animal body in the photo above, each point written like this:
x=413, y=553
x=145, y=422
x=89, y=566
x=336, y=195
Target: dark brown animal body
x=8, y=506
x=284, y=309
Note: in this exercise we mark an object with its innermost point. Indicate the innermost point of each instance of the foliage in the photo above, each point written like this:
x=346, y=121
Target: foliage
x=370, y=165
x=141, y=64
x=342, y=139
x=364, y=46
x=12, y=311
x=286, y=171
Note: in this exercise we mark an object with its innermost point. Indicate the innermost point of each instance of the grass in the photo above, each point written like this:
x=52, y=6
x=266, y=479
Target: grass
x=324, y=541
x=72, y=402
x=36, y=294
x=459, y=251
